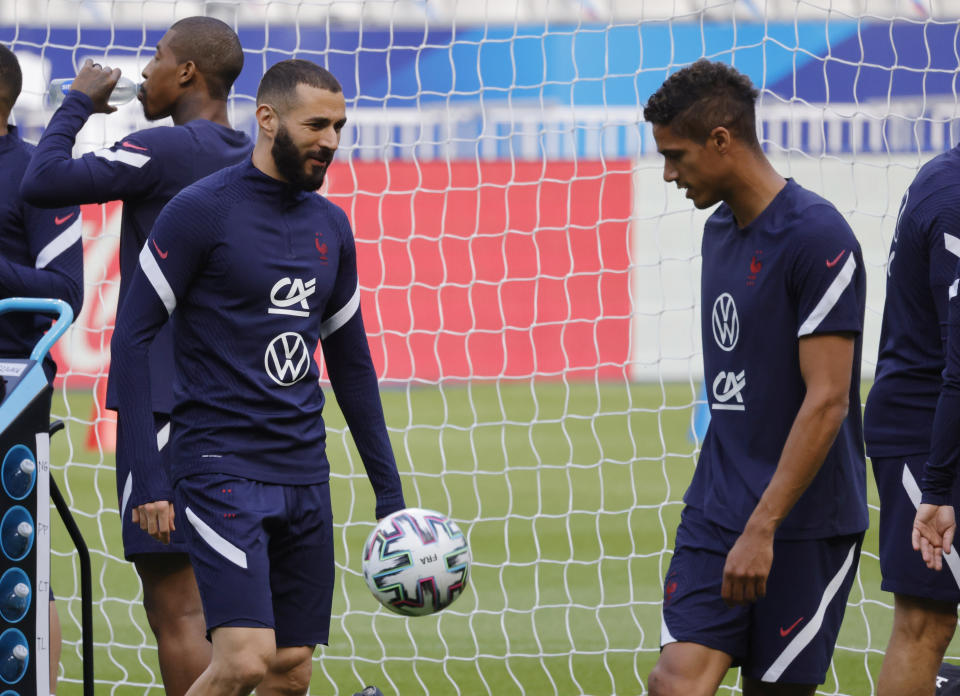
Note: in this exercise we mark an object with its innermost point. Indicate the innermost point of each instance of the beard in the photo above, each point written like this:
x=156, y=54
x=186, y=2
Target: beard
x=291, y=165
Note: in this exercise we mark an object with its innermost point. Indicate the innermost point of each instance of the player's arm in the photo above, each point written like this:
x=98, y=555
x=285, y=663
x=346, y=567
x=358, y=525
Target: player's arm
x=54, y=242
x=354, y=381
x=826, y=364
x=54, y=178
x=934, y=525
x=182, y=232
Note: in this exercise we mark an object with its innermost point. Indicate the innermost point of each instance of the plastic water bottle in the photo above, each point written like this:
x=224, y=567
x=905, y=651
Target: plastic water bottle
x=20, y=481
x=15, y=603
x=14, y=665
x=20, y=540
x=125, y=91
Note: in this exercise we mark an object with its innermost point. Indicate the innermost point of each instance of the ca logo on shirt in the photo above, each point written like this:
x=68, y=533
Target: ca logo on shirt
x=727, y=390
x=289, y=293
x=726, y=323
x=287, y=359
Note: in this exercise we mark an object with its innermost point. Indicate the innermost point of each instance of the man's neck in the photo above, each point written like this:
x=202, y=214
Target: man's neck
x=193, y=107
x=4, y=129
x=755, y=186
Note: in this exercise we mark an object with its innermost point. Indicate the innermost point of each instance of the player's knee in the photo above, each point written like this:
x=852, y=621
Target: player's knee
x=245, y=668
x=291, y=676
x=664, y=682
x=931, y=623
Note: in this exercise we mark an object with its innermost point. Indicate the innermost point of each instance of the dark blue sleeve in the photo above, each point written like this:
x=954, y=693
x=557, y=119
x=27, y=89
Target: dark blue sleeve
x=354, y=380
x=54, y=240
x=825, y=274
x=129, y=168
x=941, y=468
x=944, y=251
x=173, y=254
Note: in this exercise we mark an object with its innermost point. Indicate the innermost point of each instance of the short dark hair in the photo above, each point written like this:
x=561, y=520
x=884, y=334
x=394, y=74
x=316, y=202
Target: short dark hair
x=695, y=100
x=11, y=79
x=213, y=47
x=279, y=84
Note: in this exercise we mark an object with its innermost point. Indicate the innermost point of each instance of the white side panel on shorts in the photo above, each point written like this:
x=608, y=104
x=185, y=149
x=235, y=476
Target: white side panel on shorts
x=803, y=638
x=127, y=490
x=665, y=635
x=217, y=542
x=913, y=490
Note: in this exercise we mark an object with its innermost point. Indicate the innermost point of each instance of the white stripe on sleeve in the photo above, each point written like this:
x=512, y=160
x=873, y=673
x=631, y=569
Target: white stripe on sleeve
x=342, y=316
x=807, y=633
x=952, y=291
x=830, y=298
x=216, y=542
x=134, y=159
x=60, y=243
x=951, y=243
x=157, y=279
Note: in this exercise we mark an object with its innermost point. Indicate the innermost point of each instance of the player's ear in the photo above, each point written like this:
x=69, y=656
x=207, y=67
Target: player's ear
x=186, y=73
x=267, y=119
x=720, y=139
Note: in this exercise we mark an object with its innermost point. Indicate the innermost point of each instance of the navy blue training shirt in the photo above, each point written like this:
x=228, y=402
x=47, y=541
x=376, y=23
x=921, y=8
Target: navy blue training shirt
x=253, y=273
x=144, y=170
x=41, y=254
x=941, y=468
x=921, y=267
x=795, y=271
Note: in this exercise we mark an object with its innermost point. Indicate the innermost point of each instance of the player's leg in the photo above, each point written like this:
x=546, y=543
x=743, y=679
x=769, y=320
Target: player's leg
x=171, y=599
x=302, y=581
x=288, y=674
x=700, y=635
x=922, y=630
x=794, y=628
x=925, y=601
x=172, y=604
x=56, y=644
x=241, y=655
x=688, y=669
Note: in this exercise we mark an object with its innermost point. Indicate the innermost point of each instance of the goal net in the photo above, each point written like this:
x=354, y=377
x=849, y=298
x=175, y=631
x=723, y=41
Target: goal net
x=530, y=287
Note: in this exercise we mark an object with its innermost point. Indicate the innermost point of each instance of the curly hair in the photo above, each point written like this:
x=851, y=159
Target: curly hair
x=695, y=100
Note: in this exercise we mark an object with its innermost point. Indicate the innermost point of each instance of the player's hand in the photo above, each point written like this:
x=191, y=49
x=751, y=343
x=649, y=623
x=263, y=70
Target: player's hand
x=747, y=568
x=933, y=530
x=97, y=82
x=156, y=519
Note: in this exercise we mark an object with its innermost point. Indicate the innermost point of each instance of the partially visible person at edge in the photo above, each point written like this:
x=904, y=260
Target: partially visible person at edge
x=41, y=255
x=770, y=536
x=188, y=79
x=898, y=422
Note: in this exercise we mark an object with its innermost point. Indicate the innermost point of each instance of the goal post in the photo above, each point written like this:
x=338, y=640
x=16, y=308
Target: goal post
x=530, y=288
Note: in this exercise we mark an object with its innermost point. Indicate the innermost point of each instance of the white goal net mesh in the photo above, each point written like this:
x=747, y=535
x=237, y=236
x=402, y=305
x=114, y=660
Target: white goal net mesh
x=531, y=292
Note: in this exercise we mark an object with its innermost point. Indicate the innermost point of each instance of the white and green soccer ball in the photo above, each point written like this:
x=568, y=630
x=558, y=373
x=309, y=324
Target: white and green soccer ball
x=416, y=562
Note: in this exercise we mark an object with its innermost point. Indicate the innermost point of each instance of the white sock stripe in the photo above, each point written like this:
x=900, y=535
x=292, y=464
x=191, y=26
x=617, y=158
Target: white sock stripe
x=807, y=633
x=830, y=297
x=60, y=243
x=217, y=542
x=134, y=159
x=159, y=282
x=342, y=316
x=913, y=491
x=127, y=490
x=163, y=436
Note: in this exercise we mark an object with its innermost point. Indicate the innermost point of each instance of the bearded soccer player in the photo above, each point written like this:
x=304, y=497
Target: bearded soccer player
x=899, y=416
x=41, y=255
x=254, y=268
x=770, y=535
x=188, y=79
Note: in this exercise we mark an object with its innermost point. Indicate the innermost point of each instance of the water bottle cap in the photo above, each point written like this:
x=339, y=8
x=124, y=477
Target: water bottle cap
x=21, y=589
x=20, y=651
x=27, y=466
x=24, y=529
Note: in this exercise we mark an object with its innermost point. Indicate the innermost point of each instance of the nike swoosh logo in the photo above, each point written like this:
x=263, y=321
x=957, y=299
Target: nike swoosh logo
x=127, y=143
x=163, y=254
x=831, y=264
x=784, y=632
x=60, y=220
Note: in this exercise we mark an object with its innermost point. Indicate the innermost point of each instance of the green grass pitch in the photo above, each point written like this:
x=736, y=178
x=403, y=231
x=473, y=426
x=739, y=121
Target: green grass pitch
x=569, y=494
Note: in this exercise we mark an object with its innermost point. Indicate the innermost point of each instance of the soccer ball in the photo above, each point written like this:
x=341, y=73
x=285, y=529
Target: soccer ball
x=416, y=562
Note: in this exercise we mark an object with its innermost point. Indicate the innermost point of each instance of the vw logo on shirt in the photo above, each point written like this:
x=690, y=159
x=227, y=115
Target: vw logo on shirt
x=287, y=359
x=726, y=323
